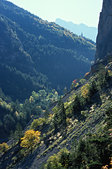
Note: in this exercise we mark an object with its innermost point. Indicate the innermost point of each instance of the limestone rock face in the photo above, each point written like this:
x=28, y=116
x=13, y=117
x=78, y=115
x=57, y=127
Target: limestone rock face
x=104, y=38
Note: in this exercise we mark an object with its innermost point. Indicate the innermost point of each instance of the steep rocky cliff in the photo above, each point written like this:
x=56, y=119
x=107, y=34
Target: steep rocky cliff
x=104, y=38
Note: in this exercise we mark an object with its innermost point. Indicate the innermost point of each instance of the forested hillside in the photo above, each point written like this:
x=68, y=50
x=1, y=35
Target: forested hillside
x=47, y=130
x=75, y=132
x=36, y=54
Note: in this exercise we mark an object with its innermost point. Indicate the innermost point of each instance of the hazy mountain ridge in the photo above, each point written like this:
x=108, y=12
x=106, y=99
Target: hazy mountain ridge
x=79, y=29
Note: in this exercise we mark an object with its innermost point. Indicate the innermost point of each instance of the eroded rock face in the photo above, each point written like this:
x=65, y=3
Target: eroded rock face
x=104, y=38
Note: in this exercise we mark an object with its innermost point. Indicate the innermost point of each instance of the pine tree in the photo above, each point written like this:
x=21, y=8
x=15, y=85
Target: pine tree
x=60, y=117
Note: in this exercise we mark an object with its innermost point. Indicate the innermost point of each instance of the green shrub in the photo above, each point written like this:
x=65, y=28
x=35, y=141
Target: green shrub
x=37, y=123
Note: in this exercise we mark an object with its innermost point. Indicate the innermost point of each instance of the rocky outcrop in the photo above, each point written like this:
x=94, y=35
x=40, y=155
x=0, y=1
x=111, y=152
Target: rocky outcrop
x=104, y=38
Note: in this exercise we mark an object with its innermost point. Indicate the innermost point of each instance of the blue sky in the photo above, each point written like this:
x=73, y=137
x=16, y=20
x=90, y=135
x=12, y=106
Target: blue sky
x=77, y=11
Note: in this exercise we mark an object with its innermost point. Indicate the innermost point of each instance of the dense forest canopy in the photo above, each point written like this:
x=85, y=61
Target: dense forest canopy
x=36, y=54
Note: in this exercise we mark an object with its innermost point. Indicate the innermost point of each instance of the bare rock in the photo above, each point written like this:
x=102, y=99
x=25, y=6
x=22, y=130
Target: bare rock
x=104, y=38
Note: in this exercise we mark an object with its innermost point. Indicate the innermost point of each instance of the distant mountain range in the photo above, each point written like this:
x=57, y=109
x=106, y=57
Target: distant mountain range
x=79, y=29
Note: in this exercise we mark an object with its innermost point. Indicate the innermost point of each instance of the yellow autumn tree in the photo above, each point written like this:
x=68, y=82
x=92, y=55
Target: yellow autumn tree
x=85, y=90
x=3, y=147
x=30, y=139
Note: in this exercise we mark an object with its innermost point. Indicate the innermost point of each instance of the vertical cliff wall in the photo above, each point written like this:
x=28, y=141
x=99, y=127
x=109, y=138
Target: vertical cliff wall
x=104, y=38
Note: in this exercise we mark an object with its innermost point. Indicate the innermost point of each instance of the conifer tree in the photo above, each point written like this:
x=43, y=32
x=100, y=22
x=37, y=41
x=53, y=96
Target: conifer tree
x=60, y=117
